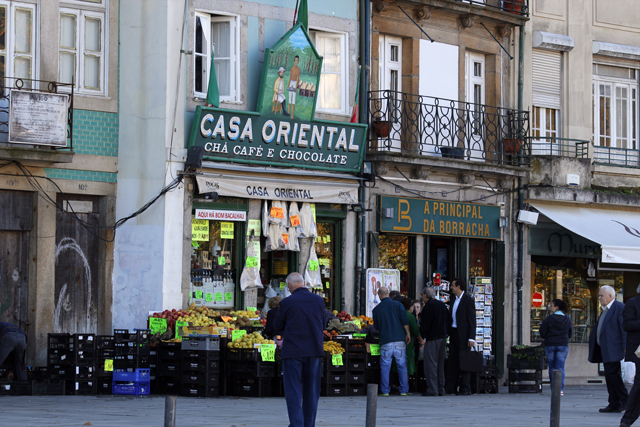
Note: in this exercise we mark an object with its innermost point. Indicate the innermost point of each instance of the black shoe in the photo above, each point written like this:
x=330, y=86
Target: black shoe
x=612, y=409
x=623, y=424
x=284, y=108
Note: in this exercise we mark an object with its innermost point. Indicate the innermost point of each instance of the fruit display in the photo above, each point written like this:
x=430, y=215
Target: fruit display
x=246, y=313
x=171, y=315
x=333, y=347
x=248, y=340
x=343, y=315
x=342, y=327
x=365, y=320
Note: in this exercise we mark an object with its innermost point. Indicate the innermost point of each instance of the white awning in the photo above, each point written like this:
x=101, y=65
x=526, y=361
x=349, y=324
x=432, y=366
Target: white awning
x=618, y=232
x=280, y=187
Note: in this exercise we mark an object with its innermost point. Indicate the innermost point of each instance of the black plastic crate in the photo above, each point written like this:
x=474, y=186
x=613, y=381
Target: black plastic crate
x=61, y=341
x=330, y=367
x=104, y=386
x=61, y=372
x=199, y=390
x=82, y=387
x=48, y=387
x=356, y=378
x=120, y=335
x=356, y=365
x=168, y=385
x=198, y=377
x=334, y=390
x=200, y=355
x=58, y=356
x=356, y=390
x=105, y=353
x=356, y=346
x=277, y=387
x=257, y=369
x=335, y=378
x=105, y=342
x=39, y=373
x=489, y=385
x=170, y=350
x=85, y=356
x=534, y=363
x=87, y=372
x=100, y=368
x=250, y=386
x=125, y=348
x=207, y=365
x=234, y=354
x=170, y=369
x=143, y=337
x=250, y=355
x=84, y=341
x=7, y=388
x=125, y=362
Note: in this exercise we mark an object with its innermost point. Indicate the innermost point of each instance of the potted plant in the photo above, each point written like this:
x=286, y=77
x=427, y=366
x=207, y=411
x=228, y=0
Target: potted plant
x=511, y=145
x=513, y=6
x=381, y=128
x=526, y=357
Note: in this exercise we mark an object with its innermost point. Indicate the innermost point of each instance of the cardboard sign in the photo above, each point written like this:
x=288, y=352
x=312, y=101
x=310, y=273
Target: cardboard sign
x=228, y=296
x=313, y=265
x=198, y=294
x=252, y=262
x=336, y=359
x=283, y=284
x=208, y=297
x=226, y=230
x=255, y=226
x=237, y=333
x=268, y=352
x=157, y=325
x=285, y=237
x=221, y=260
x=199, y=230
x=277, y=213
x=218, y=296
x=295, y=220
x=180, y=324
x=375, y=349
x=108, y=365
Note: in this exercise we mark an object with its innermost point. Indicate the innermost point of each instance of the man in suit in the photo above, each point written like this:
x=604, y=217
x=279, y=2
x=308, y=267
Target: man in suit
x=433, y=329
x=607, y=345
x=462, y=330
x=631, y=325
x=302, y=318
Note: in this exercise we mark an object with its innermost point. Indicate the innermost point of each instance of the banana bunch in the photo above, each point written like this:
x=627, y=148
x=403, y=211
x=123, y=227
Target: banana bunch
x=333, y=347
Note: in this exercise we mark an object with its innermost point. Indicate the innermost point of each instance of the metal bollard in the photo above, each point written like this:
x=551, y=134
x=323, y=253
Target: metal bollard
x=170, y=411
x=372, y=405
x=556, y=384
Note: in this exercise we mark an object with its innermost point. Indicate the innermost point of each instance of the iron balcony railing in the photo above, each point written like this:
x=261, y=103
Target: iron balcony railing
x=612, y=156
x=564, y=147
x=428, y=126
x=7, y=84
x=517, y=7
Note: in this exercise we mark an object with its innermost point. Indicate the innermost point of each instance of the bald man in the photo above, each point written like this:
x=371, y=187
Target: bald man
x=302, y=317
x=607, y=343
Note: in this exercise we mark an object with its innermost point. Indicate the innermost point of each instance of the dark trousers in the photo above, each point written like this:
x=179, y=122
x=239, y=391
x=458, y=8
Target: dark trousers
x=434, y=355
x=453, y=367
x=615, y=386
x=633, y=403
x=16, y=343
x=301, y=377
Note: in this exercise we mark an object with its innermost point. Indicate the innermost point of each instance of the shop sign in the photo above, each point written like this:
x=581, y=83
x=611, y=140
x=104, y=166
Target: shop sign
x=38, y=118
x=439, y=218
x=554, y=240
x=221, y=215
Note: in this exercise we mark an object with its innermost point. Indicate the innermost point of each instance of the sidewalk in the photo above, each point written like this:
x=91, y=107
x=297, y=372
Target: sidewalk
x=580, y=406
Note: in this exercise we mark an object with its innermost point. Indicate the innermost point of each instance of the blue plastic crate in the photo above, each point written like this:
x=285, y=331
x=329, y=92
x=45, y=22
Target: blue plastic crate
x=131, y=388
x=139, y=375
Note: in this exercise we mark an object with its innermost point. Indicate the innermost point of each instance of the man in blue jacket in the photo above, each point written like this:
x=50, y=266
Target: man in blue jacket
x=302, y=317
x=390, y=319
x=607, y=343
x=13, y=340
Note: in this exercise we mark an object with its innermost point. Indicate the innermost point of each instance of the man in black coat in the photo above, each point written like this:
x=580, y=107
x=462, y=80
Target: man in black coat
x=462, y=330
x=433, y=329
x=631, y=324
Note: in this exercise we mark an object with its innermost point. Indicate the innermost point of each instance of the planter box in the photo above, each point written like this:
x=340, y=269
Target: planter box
x=515, y=363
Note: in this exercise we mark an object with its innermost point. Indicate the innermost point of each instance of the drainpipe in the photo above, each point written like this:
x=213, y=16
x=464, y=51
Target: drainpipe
x=519, y=280
x=359, y=285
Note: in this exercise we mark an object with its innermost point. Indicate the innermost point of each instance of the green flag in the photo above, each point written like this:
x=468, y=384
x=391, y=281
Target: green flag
x=303, y=14
x=213, y=94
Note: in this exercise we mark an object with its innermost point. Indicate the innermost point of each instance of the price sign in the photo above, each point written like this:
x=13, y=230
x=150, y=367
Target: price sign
x=295, y=220
x=226, y=230
x=359, y=335
x=328, y=239
x=285, y=237
x=221, y=260
x=327, y=285
x=179, y=325
x=198, y=294
x=313, y=211
x=227, y=319
x=199, y=230
x=277, y=213
x=268, y=352
x=252, y=262
x=208, y=297
x=253, y=224
x=336, y=359
x=108, y=365
x=157, y=325
x=237, y=333
x=228, y=296
x=218, y=296
x=252, y=309
x=313, y=265
x=375, y=349
x=283, y=284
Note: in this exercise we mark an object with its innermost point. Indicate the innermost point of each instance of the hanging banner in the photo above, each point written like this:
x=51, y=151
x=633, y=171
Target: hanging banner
x=377, y=278
x=221, y=215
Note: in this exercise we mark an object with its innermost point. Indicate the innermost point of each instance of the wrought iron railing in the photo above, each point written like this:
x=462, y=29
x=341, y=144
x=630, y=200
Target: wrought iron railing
x=517, y=7
x=552, y=146
x=7, y=84
x=611, y=156
x=428, y=126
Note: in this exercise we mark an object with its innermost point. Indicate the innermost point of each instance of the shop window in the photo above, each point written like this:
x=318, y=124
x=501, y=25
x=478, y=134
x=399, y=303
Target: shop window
x=479, y=258
x=223, y=33
x=82, y=57
x=393, y=253
x=333, y=93
x=17, y=40
x=325, y=245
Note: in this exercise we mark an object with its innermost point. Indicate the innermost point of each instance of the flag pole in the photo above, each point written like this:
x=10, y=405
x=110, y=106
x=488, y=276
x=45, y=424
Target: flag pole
x=295, y=13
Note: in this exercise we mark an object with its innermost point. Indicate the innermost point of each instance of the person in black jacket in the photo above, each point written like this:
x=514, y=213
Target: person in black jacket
x=461, y=324
x=631, y=324
x=433, y=329
x=13, y=340
x=269, y=329
x=556, y=330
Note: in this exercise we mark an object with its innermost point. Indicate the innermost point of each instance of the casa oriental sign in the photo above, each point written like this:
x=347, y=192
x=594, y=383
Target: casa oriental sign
x=249, y=137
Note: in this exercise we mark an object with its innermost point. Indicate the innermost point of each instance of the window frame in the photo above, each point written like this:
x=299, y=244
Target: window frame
x=543, y=129
x=632, y=85
x=210, y=17
x=344, y=68
x=10, y=50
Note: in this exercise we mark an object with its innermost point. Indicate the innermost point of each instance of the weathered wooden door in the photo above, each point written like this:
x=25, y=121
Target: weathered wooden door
x=76, y=277
x=15, y=227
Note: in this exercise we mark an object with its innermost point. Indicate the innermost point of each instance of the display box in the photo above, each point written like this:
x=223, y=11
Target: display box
x=206, y=343
x=198, y=331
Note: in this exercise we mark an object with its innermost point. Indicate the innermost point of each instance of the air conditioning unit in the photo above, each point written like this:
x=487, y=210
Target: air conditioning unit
x=528, y=217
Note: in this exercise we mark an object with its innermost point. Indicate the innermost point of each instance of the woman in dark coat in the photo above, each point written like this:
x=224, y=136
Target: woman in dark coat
x=269, y=330
x=556, y=330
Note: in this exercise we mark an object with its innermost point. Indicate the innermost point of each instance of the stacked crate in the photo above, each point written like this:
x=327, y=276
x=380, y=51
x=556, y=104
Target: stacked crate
x=105, y=349
x=356, y=367
x=169, y=368
x=200, y=367
x=60, y=358
x=131, y=373
x=334, y=377
x=250, y=376
x=489, y=380
x=525, y=376
x=84, y=374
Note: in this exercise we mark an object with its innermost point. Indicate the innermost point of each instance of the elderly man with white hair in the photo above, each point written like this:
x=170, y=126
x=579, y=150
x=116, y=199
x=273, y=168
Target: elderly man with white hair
x=607, y=343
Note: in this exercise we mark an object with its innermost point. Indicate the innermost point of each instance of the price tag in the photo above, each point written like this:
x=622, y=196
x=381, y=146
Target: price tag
x=227, y=319
x=157, y=325
x=313, y=265
x=221, y=260
x=268, y=352
x=359, y=335
x=108, y=365
x=327, y=285
x=226, y=230
x=328, y=239
x=253, y=224
x=218, y=296
x=228, y=296
x=283, y=284
x=375, y=349
x=179, y=325
x=199, y=230
x=252, y=262
x=324, y=239
x=277, y=213
x=295, y=220
x=208, y=297
x=237, y=333
x=252, y=309
x=285, y=237
x=198, y=294
x=336, y=359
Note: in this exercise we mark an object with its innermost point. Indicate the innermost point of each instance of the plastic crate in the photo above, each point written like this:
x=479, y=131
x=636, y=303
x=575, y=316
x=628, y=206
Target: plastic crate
x=201, y=343
x=168, y=385
x=334, y=390
x=105, y=353
x=330, y=367
x=134, y=388
x=48, y=387
x=257, y=369
x=250, y=386
x=207, y=365
x=58, y=356
x=199, y=390
x=200, y=355
x=87, y=372
x=105, y=341
x=356, y=378
x=100, y=372
x=234, y=354
x=85, y=356
x=335, y=378
x=39, y=373
x=61, y=372
x=62, y=341
x=120, y=335
x=125, y=348
x=138, y=375
x=170, y=369
x=82, y=387
x=356, y=365
x=84, y=341
x=105, y=386
x=357, y=390
x=250, y=355
x=356, y=346
x=198, y=377
x=515, y=363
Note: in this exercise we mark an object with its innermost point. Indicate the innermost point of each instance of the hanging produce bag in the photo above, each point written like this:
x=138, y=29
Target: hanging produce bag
x=312, y=277
x=270, y=293
x=278, y=213
x=294, y=218
x=292, y=240
x=276, y=238
x=284, y=292
x=265, y=219
x=250, y=278
x=307, y=226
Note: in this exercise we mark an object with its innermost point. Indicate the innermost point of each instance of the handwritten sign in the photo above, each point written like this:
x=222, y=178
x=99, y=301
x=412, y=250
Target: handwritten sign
x=327, y=285
x=228, y=296
x=359, y=335
x=252, y=309
x=313, y=265
x=268, y=352
x=375, y=349
x=157, y=325
x=285, y=238
x=237, y=334
x=180, y=324
x=208, y=297
x=336, y=359
x=221, y=260
x=255, y=226
x=108, y=365
x=198, y=294
x=218, y=296
x=226, y=230
x=199, y=230
x=295, y=220
x=283, y=284
x=277, y=213
x=252, y=262
x=227, y=319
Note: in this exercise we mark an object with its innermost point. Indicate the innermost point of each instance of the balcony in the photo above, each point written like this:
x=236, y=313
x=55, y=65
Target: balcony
x=612, y=156
x=517, y=7
x=425, y=126
x=563, y=147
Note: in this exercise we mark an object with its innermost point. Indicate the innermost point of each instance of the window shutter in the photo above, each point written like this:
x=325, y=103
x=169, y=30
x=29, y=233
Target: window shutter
x=546, y=79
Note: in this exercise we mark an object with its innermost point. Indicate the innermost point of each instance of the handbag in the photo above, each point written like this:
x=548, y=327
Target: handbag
x=471, y=360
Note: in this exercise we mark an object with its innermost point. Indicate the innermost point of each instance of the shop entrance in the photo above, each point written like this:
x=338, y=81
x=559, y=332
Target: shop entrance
x=396, y=252
x=329, y=252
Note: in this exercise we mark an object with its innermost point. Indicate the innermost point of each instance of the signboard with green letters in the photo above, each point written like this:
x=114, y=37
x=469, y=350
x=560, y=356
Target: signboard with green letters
x=439, y=218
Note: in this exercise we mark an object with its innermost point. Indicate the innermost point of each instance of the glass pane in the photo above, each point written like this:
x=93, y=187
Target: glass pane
x=3, y=28
x=536, y=122
x=22, y=68
x=330, y=50
x=68, y=31
x=92, y=34
x=395, y=50
x=221, y=38
x=477, y=69
x=67, y=67
x=393, y=80
x=23, y=31
x=330, y=92
x=92, y=72
x=394, y=253
x=223, y=74
x=201, y=42
x=324, y=247
x=200, y=73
